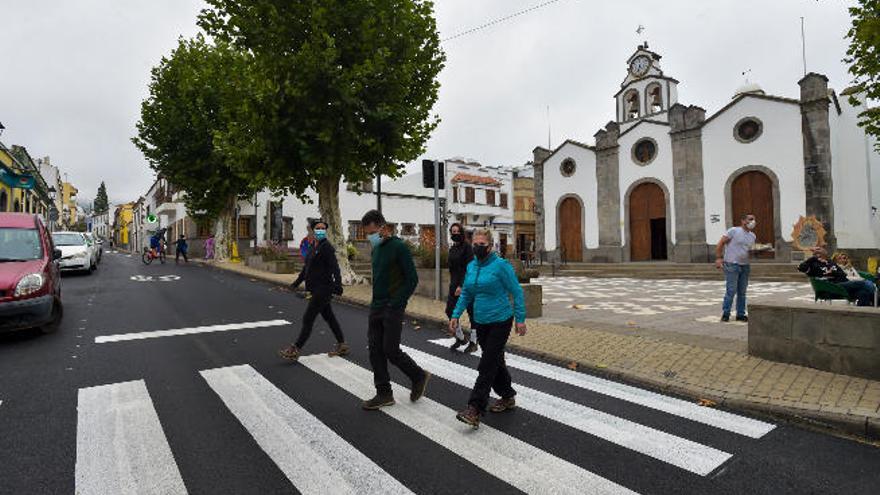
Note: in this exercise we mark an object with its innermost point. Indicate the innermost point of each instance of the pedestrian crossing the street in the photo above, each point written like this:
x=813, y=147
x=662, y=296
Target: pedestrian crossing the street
x=121, y=446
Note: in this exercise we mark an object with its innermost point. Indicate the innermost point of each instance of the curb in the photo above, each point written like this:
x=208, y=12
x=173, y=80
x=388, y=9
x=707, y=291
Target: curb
x=864, y=428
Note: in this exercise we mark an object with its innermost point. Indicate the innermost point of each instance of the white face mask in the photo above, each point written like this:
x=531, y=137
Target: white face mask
x=751, y=225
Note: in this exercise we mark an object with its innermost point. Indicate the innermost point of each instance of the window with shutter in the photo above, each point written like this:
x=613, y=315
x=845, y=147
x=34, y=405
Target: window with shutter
x=503, y=200
x=490, y=197
x=469, y=195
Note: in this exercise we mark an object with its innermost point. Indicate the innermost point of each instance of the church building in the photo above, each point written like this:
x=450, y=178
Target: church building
x=663, y=181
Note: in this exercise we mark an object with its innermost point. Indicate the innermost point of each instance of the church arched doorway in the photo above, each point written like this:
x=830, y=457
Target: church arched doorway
x=647, y=223
x=752, y=193
x=571, y=238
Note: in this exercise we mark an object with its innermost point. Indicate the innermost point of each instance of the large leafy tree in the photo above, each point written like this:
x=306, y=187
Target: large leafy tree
x=102, y=204
x=195, y=96
x=343, y=89
x=863, y=56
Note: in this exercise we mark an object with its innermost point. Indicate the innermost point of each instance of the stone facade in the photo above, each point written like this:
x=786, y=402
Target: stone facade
x=818, y=180
x=539, y=156
x=687, y=165
x=608, y=179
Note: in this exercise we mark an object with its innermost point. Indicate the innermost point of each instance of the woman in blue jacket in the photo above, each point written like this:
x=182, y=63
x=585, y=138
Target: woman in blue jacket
x=489, y=284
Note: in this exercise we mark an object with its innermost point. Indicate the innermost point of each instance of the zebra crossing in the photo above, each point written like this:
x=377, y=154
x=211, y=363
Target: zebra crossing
x=121, y=446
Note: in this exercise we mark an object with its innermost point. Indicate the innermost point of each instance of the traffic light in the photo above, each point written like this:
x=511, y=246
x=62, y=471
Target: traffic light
x=428, y=174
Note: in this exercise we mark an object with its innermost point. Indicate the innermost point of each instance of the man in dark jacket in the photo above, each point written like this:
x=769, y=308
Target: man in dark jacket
x=394, y=281
x=819, y=266
x=323, y=280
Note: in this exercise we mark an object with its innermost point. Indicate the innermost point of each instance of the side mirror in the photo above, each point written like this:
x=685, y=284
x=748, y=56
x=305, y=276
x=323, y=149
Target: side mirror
x=56, y=254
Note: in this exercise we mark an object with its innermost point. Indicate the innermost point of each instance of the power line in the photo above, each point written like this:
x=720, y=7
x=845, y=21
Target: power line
x=499, y=20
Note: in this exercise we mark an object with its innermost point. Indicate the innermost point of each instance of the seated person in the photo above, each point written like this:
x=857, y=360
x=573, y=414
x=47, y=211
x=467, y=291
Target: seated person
x=843, y=260
x=819, y=266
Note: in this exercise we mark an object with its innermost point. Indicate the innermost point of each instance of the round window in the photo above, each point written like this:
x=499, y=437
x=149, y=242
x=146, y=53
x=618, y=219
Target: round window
x=568, y=167
x=644, y=151
x=748, y=130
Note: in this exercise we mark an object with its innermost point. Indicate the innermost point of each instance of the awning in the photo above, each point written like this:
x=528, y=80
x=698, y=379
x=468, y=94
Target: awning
x=16, y=181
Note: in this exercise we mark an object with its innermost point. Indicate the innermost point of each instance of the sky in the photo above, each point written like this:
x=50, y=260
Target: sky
x=74, y=73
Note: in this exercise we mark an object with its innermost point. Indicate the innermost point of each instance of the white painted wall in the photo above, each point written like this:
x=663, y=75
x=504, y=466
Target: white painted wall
x=779, y=148
x=660, y=169
x=582, y=184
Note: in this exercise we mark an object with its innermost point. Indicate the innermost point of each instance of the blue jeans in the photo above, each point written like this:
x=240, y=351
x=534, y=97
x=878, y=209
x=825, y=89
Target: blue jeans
x=737, y=277
x=862, y=290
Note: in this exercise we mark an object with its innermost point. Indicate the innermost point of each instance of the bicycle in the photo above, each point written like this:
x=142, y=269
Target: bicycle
x=151, y=254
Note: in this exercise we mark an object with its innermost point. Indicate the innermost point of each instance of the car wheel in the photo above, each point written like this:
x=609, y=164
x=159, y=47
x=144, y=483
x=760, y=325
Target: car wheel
x=57, y=314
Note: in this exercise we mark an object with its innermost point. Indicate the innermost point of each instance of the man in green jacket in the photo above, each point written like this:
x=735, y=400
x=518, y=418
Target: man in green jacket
x=394, y=281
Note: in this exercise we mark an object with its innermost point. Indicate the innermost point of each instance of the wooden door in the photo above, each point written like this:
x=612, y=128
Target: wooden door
x=571, y=229
x=752, y=193
x=647, y=203
x=426, y=236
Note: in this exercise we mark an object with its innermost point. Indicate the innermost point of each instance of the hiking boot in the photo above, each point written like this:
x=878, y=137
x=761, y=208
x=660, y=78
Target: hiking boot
x=471, y=348
x=725, y=318
x=341, y=349
x=469, y=416
x=502, y=405
x=290, y=353
x=455, y=345
x=742, y=318
x=378, y=401
x=418, y=388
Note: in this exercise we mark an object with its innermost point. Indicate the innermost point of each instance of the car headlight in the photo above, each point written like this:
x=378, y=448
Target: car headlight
x=29, y=284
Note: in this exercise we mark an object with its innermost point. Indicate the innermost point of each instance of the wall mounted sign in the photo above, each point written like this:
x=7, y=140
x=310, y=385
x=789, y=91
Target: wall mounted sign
x=808, y=233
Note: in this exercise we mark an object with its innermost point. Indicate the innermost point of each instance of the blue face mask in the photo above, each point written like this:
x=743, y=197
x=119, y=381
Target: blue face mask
x=320, y=234
x=375, y=239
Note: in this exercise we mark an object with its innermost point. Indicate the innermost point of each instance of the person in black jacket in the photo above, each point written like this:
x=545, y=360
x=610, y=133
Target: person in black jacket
x=460, y=254
x=323, y=280
x=819, y=266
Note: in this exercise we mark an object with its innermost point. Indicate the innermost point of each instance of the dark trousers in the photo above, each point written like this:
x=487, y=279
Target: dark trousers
x=320, y=303
x=862, y=290
x=493, y=370
x=383, y=335
x=180, y=253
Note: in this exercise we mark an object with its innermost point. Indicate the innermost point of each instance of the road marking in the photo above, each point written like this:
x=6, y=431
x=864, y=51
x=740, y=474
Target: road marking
x=688, y=410
x=120, y=445
x=522, y=465
x=680, y=452
x=150, y=278
x=312, y=456
x=103, y=339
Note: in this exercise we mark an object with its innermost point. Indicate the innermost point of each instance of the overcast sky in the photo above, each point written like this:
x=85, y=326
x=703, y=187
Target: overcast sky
x=74, y=72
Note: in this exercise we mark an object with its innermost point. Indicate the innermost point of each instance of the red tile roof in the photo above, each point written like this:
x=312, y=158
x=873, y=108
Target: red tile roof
x=475, y=179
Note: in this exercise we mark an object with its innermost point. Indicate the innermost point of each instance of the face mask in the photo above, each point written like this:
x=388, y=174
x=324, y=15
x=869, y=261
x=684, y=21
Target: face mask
x=481, y=251
x=320, y=234
x=375, y=239
x=751, y=225
x=457, y=237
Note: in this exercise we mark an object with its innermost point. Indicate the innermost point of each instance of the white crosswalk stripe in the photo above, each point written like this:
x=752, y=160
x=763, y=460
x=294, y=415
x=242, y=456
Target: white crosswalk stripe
x=708, y=416
x=122, y=337
x=314, y=458
x=680, y=452
x=120, y=445
x=522, y=465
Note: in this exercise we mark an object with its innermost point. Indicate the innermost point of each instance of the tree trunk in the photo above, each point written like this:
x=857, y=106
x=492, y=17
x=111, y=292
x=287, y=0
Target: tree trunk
x=328, y=206
x=223, y=232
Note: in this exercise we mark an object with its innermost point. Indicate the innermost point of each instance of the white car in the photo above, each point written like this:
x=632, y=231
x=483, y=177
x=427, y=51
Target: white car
x=76, y=253
x=97, y=246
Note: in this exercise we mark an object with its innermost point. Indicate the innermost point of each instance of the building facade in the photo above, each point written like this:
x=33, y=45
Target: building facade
x=480, y=196
x=663, y=181
x=524, y=211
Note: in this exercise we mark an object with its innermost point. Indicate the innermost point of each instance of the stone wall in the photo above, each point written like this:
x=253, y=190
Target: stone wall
x=836, y=338
x=540, y=155
x=818, y=181
x=687, y=166
x=608, y=197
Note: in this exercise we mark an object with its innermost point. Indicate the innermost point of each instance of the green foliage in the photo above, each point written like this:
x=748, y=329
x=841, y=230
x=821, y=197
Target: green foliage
x=863, y=57
x=102, y=204
x=340, y=88
x=424, y=256
x=196, y=94
x=351, y=251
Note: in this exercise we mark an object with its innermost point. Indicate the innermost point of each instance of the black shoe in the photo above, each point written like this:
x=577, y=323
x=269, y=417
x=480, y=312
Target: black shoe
x=469, y=416
x=725, y=318
x=742, y=318
x=378, y=401
x=471, y=348
x=457, y=344
x=418, y=388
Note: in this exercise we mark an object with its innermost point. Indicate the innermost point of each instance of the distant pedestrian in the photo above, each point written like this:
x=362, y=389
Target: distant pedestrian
x=394, y=281
x=732, y=255
x=323, y=280
x=307, y=243
x=209, y=248
x=490, y=284
x=460, y=255
x=181, y=249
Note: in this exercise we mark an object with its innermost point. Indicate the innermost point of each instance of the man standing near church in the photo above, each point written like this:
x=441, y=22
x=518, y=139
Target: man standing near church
x=732, y=255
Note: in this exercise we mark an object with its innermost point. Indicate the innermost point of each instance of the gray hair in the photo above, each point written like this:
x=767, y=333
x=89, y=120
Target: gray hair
x=484, y=233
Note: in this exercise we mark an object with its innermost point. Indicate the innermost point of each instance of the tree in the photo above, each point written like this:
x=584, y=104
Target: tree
x=195, y=95
x=102, y=204
x=343, y=89
x=863, y=57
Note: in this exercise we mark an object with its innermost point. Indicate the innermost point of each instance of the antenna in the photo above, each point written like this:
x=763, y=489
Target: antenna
x=803, y=45
x=549, y=146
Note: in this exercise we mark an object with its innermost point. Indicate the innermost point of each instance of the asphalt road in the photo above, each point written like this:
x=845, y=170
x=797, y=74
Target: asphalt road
x=92, y=409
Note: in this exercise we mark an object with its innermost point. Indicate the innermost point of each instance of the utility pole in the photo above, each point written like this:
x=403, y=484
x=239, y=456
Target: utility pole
x=437, y=230
x=379, y=192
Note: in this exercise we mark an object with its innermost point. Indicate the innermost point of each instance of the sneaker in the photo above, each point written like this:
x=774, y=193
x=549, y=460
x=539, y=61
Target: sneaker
x=290, y=353
x=742, y=318
x=502, y=405
x=418, y=388
x=469, y=416
x=725, y=318
x=471, y=348
x=456, y=344
x=341, y=349
x=378, y=401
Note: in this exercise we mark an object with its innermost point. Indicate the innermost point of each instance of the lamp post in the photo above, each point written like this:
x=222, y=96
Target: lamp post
x=53, y=211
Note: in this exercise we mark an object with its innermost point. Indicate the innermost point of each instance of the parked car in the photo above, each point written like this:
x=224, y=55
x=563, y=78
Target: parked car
x=30, y=282
x=76, y=253
x=97, y=246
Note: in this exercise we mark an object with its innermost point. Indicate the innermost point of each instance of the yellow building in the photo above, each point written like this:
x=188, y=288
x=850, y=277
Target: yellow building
x=124, y=216
x=16, y=184
x=68, y=201
x=524, y=212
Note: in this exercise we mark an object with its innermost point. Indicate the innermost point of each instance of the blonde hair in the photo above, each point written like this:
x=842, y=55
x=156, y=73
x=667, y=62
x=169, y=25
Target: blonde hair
x=838, y=254
x=484, y=233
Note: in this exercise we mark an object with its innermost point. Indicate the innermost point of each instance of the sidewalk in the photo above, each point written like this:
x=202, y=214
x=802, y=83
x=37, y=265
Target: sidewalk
x=732, y=379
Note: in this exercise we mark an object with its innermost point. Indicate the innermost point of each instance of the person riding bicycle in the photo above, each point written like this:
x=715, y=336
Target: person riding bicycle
x=156, y=244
